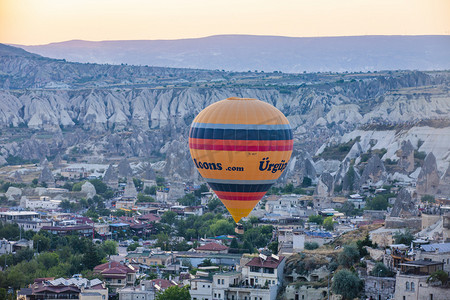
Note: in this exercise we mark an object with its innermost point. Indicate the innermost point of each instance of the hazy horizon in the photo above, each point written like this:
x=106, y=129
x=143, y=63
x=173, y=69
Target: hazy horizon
x=30, y=22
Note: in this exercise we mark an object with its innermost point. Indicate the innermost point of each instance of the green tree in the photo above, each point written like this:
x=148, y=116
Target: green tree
x=203, y=189
x=348, y=208
x=150, y=190
x=92, y=257
x=77, y=186
x=273, y=247
x=306, y=182
x=169, y=217
x=348, y=256
x=110, y=247
x=100, y=186
x=189, y=200
x=328, y=223
x=132, y=247
x=247, y=247
x=428, y=198
x=214, y=203
x=403, y=237
x=144, y=198
x=160, y=181
x=438, y=276
x=380, y=270
x=316, y=219
x=221, y=227
x=346, y=284
x=174, y=293
x=234, y=244
x=48, y=259
x=41, y=243
x=379, y=202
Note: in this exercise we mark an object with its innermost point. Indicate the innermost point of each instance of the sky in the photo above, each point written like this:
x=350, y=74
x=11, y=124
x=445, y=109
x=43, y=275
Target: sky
x=35, y=22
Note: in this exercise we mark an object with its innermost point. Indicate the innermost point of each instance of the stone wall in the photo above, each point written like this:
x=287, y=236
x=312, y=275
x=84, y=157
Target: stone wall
x=413, y=223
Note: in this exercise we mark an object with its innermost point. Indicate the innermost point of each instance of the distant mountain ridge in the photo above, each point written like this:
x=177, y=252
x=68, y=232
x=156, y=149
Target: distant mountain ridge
x=264, y=53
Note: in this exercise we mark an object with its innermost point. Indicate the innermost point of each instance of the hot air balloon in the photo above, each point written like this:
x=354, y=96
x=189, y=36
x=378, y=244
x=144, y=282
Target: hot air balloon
x=240, y=146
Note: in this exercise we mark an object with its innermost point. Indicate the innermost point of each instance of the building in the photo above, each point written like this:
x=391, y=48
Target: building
x=34, y=224
x=150, y=259
x=411, y=281
x=44, y=202
x=61, y=288
x=144, y=291
x=212, y=248
x=436, y=252
x=81, y=230
x=14, y=216
x=116, y=275
x=264, y=270
x=380, y=288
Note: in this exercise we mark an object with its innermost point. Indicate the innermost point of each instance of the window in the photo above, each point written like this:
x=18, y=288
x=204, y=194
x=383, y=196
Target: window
x=119, y=281
x=215, y=295
x=412, y=286
x=431, y=296
x=407, y=286
x=382, y=285
x=218, y=281
x=374, y=284
x=223, y=281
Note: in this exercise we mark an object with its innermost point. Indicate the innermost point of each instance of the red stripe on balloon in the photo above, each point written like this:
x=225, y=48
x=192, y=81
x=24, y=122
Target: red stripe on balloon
x=240, y=145
x=240, y=196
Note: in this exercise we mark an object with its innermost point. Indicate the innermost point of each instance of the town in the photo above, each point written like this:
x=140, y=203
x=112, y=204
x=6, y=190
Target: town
x=108, y=232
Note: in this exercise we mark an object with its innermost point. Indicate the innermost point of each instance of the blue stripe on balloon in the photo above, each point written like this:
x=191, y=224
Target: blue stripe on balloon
x=241, y=134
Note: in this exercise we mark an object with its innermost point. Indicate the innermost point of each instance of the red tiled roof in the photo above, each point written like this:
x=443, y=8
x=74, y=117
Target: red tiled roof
x=270, y=262
x=149, y=218
x=212, y=247
x=113, y=268
x=162, y=283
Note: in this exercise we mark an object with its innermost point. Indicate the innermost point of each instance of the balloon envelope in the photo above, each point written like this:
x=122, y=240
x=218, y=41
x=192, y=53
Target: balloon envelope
x=240, y=146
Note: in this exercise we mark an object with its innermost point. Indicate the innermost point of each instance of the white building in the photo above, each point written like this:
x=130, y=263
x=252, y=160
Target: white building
x=14, y=216
x=44, y=202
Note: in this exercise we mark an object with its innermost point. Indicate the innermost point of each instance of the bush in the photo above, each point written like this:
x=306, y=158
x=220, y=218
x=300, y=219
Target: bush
x=311, y=245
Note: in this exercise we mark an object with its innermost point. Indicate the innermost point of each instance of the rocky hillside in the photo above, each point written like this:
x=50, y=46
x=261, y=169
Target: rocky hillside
x=101, y=112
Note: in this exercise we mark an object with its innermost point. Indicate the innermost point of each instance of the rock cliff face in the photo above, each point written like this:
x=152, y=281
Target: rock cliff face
x=124, y=111
x=406, y=157
x=374, y=171
x=428, y=180
x=404, y=206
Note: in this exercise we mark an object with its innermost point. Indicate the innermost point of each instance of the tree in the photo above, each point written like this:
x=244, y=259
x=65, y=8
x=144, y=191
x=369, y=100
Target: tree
x=92, y=257
x=380, y=270
x=348, y=208
x=169, y=217
x=316, y=219
x=234, y=244
x=306, y=182
x=160, y=181
x=346, y=284
x=214, y=203
x=100, y=187
x=221, y=227
x=110, y=247
x=428, y=198
x=349, y=255
x=379, y=202
x=41, y=243
x=189, y=200
x=150, y=190
x=174, y=293
x=273, y=247
x=403, y=237
x=328, y=223
x=203, y=189
x=437, y=276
